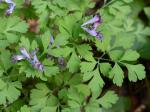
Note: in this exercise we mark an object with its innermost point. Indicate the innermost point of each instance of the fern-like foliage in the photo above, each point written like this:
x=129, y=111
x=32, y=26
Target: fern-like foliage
x=75, y=63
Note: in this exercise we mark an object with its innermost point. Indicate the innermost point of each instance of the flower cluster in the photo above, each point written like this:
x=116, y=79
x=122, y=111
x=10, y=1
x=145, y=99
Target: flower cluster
x=94, y=23
x=30, y=57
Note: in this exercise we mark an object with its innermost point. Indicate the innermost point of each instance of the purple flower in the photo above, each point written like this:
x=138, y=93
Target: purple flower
x=25, y=54
x=91, y=32
x=94, y=23
x=16, y=58
x=99, y=36
x=38, y=66
x=30, y=57
x=96, y=20
x=94, y=33
x=35, y=62
x=11, y=6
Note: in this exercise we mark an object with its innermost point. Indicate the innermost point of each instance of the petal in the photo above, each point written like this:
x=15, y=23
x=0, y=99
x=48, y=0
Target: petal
x=99, y=36
x=34, y=51
x=38, y=66
x=95, y=25
x=16, y=58
x=8, y=1
x=35, y=59
x=11, y=6
x=25, y=53
x=34, y=56
x=51, y=39
x=95, y=19
x=91, y=32
x=94, y=33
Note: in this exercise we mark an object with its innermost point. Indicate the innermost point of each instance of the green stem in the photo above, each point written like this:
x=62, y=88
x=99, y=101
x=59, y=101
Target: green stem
x=105, y=59
x=105, y=5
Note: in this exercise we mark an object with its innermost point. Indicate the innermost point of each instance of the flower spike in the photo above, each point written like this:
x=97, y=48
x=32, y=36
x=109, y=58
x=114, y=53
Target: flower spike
x=30, y=57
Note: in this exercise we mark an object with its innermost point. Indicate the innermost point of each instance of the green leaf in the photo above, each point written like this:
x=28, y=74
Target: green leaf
x=25, y=43
x=1, y=71
x=128, y=1
x=46, y=40
x=105, y=45
x=124, y=39
x=15, y=106
x=60, y=52
x=147, y=10
x=11, y=28
x=15, y=24
x=122, y=105
x=93, y=106
x=119, y=7
x=66, y=25
x=75, y=80
x=73, y=63
x=129, y=25
x=75, y=98
x=96, y=83
x=136, y=72
x=108, y=99
x=11, y=37
x=49, y=109
x=130, y=55
x=2, y=84
x=41, y=97
x=10, y=92
x=87, y=66
x=30, y=71
x=141, y=30
x=117, y=75
x=85, y=51
x=51, y=70
x=61, y=39
x=84, y=89
x=105, y=68
x=34, y=44
x=41, y=8
x=24, y=108
x=4, y=43
x=5, y=59
x=144, y=51
x=115, y=55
